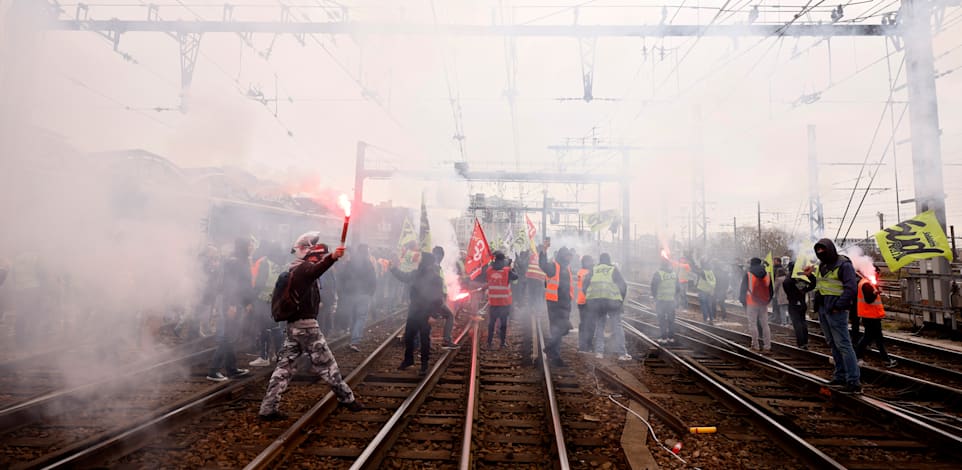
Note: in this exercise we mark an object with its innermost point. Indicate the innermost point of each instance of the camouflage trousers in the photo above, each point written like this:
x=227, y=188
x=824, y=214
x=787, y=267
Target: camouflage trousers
x=302, y=338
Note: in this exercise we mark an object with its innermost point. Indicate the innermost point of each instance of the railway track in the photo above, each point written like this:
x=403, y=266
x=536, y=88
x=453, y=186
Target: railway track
x=34, y=375
x=820, y=426
x=937, y=365
x=931, y=392
x=329, y=437
x=44, y=428
x=98, y=426
x=938, y=403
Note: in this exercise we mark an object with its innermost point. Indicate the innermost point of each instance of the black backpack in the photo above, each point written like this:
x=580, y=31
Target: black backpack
x=283, y=304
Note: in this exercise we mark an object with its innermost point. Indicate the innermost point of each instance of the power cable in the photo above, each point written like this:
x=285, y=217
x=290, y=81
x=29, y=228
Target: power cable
x=868, y=153
x=77, y=82
x=871, y=180
x=454, y=98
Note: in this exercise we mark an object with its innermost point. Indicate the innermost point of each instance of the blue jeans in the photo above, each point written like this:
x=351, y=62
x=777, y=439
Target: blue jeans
x=356, y=308
x=610, y=311
x=558, y=327
x=707, y=306
x=835, y=328
x=224, y=356
x=666, y=318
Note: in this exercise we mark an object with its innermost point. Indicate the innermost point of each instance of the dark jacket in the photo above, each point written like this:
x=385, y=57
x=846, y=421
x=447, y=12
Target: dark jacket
x=238, y=289
x=427, y=287
x=846, y=273
x=328, y=285
x=759, y=271
x=357, y=277
x=796, y=290
x=868, y=291
x=564, y=281
x=721, y=284
x=616, y=276
x=304, y=287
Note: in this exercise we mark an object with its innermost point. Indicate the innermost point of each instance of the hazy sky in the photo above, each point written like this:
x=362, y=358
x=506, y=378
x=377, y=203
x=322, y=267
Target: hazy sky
x=748, y=92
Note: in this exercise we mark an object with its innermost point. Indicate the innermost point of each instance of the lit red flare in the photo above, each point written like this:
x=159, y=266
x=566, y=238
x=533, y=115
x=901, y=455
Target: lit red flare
x=345, y=204
x=665, y=254
x=461, y=296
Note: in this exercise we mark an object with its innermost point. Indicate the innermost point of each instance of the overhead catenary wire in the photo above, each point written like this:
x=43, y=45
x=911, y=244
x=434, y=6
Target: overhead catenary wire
x=872, y=179
x=868, y=153
x=454, y=96
x=79, y=83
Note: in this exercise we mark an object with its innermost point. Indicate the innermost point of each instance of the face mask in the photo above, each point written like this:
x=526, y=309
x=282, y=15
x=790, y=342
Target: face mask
x=822, y=256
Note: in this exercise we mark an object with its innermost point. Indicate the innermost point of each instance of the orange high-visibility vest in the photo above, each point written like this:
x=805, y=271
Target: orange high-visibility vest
x=581, y=279
x=255, y=268
x=869, y=310
x=534, y=271
x=751, y=287
x=499, y=289
x=551, y=287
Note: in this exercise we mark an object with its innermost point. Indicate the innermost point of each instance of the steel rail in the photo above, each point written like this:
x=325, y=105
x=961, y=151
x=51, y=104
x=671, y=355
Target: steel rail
x=298, y=432
x=856, y=404
x=22, y=412
x=553, y=407
x=949, y=355
x=788, y=440
x=933, y=390
x=126, y=439
x=11, y=365
x=671, y=420
x=466, y=462
x=377, y=450
x=132, y=436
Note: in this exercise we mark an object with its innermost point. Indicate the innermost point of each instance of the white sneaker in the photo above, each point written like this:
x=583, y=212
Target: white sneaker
x=624, y=357
x=599, y=356
x=216, y=377
x=259, y=362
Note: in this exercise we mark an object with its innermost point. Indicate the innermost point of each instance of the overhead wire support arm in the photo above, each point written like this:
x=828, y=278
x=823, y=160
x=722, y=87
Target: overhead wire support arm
x=518, y=30
x=189, y=49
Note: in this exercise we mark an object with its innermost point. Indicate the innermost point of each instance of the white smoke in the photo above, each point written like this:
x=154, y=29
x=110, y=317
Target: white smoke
x=863, y=263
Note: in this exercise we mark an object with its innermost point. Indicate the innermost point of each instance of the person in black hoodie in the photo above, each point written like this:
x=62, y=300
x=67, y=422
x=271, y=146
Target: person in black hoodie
x=755, y=294
x=426, y=296
x=837, y=291
x=795, y=289
x=559, y=293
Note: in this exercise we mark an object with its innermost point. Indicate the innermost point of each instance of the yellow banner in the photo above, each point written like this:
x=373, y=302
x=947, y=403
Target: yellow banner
x=600, y=220
x=407, y=235
x=805, y=258
x=426, y=245
x=918, y=238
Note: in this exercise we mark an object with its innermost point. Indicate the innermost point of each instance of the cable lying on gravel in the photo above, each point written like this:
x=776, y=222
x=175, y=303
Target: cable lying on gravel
x=643, y=420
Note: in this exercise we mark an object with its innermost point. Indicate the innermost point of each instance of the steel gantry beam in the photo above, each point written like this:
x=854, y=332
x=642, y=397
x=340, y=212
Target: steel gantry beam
x=585, y=31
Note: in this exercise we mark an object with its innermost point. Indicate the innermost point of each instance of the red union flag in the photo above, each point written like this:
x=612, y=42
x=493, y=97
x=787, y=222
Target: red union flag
x=479, y=254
